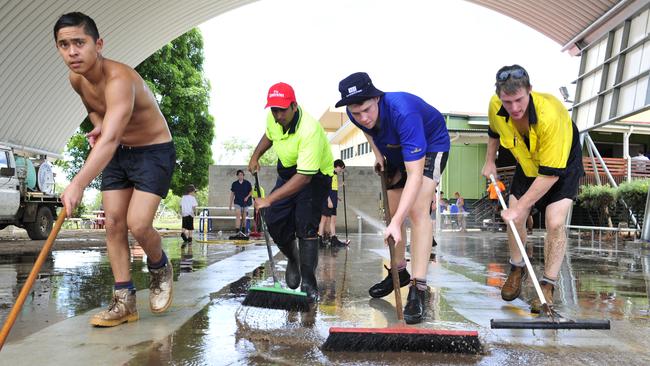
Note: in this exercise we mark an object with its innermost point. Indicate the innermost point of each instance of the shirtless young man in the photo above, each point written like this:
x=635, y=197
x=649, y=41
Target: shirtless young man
x=132, y=147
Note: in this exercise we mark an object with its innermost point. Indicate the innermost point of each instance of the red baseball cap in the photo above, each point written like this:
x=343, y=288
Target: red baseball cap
x=280, y=95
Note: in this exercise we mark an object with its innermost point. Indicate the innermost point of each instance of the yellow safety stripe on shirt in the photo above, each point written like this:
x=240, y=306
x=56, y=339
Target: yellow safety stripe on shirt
x=335, y=182
x=306, y=147
x=550, y=137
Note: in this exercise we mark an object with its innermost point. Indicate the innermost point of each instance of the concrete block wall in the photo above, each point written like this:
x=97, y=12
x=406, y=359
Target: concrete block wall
x=362, y=189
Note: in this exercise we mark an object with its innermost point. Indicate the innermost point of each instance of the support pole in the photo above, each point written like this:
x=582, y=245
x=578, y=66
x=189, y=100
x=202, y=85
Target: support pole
x=645, y=233
x=611, y=180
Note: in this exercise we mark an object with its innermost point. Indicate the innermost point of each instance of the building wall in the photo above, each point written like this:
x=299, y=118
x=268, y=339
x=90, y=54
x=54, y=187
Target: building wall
x=353, y=142
x=362, y=187
x=463, y=171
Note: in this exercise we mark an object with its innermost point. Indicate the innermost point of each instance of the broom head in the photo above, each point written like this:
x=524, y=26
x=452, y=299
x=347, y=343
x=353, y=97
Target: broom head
x=402, y=339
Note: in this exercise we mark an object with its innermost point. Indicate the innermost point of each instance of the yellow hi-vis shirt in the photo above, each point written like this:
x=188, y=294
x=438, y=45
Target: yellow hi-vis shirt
x=335, y=182
x=304, y=145
x=550, y=134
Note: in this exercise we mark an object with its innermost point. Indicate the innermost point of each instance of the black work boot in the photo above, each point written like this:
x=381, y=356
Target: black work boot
x=308, y=264
x=292, y=274
x=385, y=287
x=335, y=242
x=415, y=301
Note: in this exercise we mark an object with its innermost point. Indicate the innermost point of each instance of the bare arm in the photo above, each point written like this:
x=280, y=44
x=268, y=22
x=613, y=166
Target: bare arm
x=262, y=147
x=120, y=96
x=537, y=190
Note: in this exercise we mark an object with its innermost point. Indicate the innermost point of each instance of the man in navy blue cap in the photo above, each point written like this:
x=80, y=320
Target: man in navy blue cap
x=410, y=141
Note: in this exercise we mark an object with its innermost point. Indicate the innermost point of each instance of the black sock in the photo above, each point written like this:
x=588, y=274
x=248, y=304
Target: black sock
x=160, y=264
x=184, y=236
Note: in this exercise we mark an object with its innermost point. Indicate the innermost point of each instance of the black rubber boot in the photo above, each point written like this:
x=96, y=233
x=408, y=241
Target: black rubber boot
x=385, y=287
x=292, y=274
x=308, y=264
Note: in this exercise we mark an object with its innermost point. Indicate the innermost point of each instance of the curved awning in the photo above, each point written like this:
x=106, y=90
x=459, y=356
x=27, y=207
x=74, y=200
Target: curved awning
x=39, y=111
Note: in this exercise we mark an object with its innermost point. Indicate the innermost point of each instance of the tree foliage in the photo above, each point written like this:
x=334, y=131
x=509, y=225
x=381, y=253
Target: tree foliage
x=239, y=147
x=175, y=76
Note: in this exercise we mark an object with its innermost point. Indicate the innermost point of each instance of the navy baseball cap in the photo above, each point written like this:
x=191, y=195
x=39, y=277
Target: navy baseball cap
x=357, y=88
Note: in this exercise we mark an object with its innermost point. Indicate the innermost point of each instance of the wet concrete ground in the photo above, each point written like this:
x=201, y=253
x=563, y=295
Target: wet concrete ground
x=207, y=325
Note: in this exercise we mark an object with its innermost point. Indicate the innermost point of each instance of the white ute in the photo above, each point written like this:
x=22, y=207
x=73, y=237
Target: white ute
x=27, y=197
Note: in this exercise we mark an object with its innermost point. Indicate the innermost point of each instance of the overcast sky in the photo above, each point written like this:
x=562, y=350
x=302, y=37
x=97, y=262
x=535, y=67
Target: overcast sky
x=447, y=52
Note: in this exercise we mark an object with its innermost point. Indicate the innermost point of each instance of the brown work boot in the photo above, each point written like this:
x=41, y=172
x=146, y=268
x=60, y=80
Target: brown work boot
x=547, y=290
x=120, y=310
x=160, y=288
x=512, y=288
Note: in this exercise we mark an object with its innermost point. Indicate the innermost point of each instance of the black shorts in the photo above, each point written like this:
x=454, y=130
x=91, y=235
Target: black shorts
x=298, y=215
x=334, y=196
x=188, y=223
x=565, y=187
x=147, y=168
x=434, y=165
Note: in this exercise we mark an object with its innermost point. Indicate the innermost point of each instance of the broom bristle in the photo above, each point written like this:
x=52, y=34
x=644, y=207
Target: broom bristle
x=402, y=339
x=272, y=299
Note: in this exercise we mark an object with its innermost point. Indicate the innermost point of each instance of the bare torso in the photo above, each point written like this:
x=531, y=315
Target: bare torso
x=146, y=126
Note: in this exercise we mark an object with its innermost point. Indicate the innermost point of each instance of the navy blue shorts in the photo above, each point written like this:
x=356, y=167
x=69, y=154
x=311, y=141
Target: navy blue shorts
x=147, y=168
x=188, y=222
x=334, y=196
x=298, y=215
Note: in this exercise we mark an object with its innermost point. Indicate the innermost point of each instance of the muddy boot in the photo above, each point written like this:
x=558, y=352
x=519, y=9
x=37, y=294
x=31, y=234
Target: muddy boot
x=308, y=264
x=512, y=288
x=292, y=274
x=120, y=310
x=161, y=287
x=547, y=290
x=385, y=287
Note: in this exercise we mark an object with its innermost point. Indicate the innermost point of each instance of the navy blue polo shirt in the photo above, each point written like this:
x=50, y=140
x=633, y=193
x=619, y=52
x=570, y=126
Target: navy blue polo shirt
x=241, y=190
x=408, y=128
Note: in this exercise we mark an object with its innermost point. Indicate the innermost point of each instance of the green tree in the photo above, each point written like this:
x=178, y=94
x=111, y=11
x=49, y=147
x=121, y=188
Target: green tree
x=175, y=76
x=237, y=146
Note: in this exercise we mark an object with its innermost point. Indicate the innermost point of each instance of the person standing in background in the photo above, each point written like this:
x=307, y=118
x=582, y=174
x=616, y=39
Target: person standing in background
x=188, y=205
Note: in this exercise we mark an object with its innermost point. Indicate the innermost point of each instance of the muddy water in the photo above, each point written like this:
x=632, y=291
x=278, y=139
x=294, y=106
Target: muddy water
x=604, y=281
x=609, y=283
x=72, y=282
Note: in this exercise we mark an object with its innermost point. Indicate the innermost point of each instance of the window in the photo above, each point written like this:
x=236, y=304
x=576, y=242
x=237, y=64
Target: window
x=4, y=158
x=347, y=153
x=363, y=148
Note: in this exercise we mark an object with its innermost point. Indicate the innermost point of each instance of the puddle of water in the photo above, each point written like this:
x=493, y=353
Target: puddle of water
x=72, y=282
x=610, y=282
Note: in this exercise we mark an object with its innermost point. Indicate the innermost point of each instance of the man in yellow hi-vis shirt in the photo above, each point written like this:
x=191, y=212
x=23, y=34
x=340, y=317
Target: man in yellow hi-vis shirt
x=305, y=167
x=538, y=131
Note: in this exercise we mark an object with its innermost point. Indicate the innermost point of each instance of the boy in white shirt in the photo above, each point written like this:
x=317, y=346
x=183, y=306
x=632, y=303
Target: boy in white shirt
x=188, y=204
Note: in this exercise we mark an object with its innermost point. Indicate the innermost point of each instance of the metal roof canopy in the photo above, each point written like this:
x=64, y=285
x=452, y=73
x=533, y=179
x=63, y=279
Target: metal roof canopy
x=39, y=111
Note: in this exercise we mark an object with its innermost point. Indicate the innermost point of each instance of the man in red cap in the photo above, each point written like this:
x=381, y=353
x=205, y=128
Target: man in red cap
x=305, y=168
